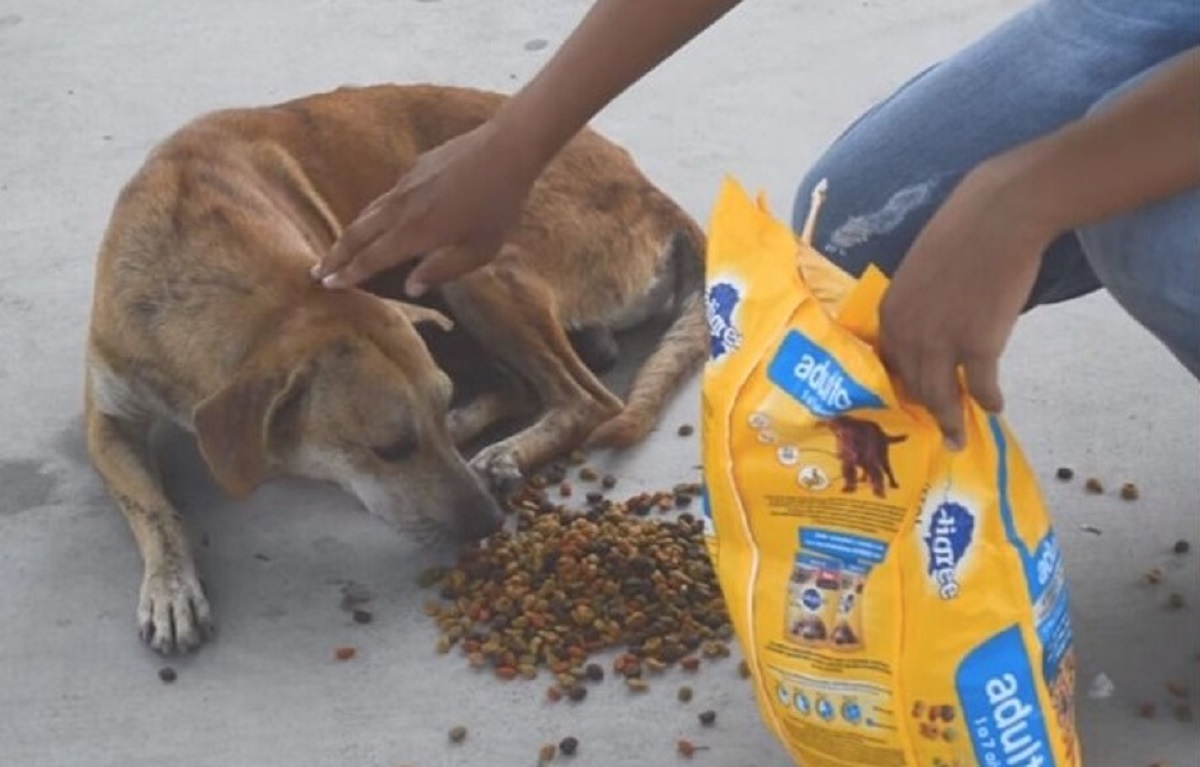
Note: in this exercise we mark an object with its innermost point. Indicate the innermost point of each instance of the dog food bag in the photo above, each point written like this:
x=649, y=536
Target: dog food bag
x=898, y=604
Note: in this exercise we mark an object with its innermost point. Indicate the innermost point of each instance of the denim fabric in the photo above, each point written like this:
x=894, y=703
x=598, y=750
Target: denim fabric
x=1045, y=67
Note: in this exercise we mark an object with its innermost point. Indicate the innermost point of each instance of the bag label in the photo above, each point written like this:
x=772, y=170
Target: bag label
x=818, y=381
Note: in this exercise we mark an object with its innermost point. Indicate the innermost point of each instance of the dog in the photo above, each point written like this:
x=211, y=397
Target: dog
x=204, y=315
x=864, y=445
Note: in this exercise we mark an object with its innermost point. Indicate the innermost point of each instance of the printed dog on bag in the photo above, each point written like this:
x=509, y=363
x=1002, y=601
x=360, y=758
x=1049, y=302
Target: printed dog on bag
x=864, y=445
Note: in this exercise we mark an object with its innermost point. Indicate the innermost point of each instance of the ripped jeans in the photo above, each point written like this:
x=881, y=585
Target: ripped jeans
x=1047, y=66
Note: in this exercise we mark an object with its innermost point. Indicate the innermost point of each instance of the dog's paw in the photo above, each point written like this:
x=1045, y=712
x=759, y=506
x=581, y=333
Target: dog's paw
x=173, y=613
x=499, y=465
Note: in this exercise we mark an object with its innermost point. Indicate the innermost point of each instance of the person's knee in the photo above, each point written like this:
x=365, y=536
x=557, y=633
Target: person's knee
x=1148, y=260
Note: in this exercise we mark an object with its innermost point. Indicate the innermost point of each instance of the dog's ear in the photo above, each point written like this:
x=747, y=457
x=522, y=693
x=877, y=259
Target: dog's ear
x=234, y=425
x=417, y=314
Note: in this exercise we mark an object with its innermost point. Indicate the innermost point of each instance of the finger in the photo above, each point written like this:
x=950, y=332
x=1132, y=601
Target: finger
x=381, y=254
x=983, y=383
x=448, y=264
x=937, y=389
x=362, y=232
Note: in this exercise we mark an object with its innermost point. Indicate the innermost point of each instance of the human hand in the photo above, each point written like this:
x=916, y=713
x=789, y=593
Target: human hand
x=957, y=294
x=453, y=207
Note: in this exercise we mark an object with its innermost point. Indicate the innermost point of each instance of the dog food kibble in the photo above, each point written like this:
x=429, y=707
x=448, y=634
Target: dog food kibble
x=577, y=693
x=687, y=749
x=568, y=745
x=362, y=616
x=594, y=496
x=1182, y=546
x=574, y=584
x=608, y=482
x=1093, y=486
x=588, y=474
x=554, y=694
x=565, y=489
x=458, y=734
x=345, y=653
x=1178, y=689
x=708, y=718
x=1147, y=710
x=685, y=694
x=1154, y=575
x=1065, y=473
x=686, y=430
x=167, y=674
x=547, y=752
x=636, y=685
x=744, y=670
x=577, y=457
x=1129, y=491
x=1175, y=601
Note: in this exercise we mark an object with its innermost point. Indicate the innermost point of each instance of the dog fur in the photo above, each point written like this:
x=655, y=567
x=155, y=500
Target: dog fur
x=204, y=315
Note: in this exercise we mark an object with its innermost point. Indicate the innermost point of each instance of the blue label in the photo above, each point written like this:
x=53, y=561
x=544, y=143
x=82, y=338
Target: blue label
x=815, y=379
x=722, y=299
x=999, y=700
x=851, y=549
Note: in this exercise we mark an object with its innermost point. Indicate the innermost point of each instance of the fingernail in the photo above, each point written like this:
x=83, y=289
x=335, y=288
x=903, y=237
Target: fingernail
x=332, y=281
x=315, y=272
x=415, y=289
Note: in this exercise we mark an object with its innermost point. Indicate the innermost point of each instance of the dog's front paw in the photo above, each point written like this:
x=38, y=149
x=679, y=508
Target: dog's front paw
x=173, y=613
x=499, y=465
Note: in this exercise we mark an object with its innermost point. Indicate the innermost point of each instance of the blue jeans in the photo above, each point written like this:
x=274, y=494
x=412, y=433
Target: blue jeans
x=1045, y=67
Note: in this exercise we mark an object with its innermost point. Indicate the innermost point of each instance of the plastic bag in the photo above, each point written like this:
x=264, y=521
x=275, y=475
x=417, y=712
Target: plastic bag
x=898, y=604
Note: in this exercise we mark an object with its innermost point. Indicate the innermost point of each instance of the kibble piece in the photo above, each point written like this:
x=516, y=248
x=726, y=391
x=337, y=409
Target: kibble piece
x=345, y=653
x=690, y=664
x=1065, y=473
x=594, y=672
x=1093, y=486
x=1182, y=546
x=686, y=749
x=565, y=489
x=554, y=693
x=1129, y=491
x=744, y=670
x=708, y=718
x=1175, y=601
x=1154, y=575
x=685, y=430
x=431, y=577
x=547, y=752
x=594, y=496
x=362, y=616
x=685, y=694
x=636, y=684
x=577, y=693
x=568, y=745
x=458, y=734
x=588, y=474
x=577, y=457
x=608, y=482
x=167, y=674
x=1147, y=710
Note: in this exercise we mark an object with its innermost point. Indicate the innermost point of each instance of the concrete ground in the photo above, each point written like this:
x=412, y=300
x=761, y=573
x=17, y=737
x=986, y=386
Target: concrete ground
x=86, y=88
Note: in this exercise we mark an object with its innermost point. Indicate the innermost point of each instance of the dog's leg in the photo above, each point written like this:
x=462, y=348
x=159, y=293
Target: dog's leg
x=173, y=612
x=469, y=422
x=513, y=314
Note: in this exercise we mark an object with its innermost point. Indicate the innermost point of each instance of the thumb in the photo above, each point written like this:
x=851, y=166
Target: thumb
x=448, y=264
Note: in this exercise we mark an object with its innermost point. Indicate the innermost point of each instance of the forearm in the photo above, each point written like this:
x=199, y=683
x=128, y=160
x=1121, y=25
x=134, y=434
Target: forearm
x=618, y=42
x=1142, y=148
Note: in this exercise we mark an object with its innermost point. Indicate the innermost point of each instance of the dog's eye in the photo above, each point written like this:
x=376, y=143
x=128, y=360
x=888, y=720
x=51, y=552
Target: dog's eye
x=397, y=451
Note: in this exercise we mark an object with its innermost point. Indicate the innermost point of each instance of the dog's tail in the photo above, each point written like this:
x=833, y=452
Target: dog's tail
x=680, y=352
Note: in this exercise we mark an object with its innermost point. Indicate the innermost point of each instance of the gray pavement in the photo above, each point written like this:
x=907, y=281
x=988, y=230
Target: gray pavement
x=86, y=88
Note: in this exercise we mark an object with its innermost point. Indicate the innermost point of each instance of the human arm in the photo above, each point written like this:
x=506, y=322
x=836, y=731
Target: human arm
x=958, y=292
x=469, y=191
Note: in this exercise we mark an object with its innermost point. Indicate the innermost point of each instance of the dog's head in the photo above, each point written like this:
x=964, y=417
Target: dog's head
x=352, y=396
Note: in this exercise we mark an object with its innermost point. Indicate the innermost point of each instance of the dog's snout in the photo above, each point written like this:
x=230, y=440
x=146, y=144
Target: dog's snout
x=477, y=517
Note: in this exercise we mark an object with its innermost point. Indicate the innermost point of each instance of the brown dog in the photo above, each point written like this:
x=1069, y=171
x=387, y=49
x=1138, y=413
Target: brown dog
x=204, y=314
x=864, y=445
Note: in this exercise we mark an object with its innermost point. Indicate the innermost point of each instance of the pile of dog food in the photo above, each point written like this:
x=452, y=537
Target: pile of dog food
x=569, y=584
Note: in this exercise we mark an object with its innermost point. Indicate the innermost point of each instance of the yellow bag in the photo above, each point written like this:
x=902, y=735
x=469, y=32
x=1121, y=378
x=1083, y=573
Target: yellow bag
x=898, y=604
